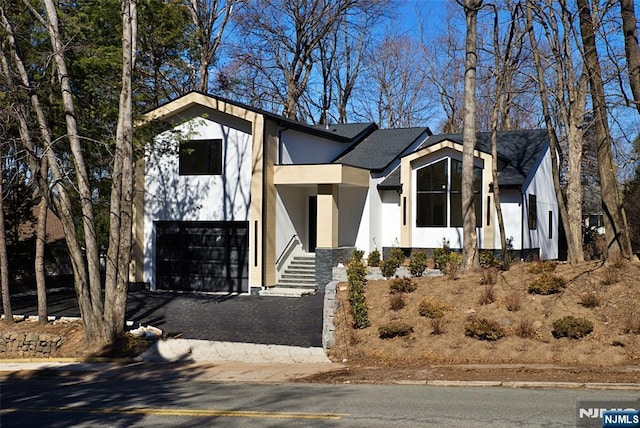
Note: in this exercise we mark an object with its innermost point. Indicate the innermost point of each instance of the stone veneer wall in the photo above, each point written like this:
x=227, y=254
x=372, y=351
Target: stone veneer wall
x=326, y=260
x=30, y=345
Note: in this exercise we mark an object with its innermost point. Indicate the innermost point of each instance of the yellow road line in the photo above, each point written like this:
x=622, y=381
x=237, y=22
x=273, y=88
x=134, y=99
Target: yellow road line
x=181, y=412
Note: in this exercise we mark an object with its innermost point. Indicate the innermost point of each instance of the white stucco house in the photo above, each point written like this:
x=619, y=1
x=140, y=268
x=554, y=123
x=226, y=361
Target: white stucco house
x=230, y=198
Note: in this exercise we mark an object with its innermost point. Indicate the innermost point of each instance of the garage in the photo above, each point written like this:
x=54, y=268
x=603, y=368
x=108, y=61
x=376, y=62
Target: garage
x=202, y=256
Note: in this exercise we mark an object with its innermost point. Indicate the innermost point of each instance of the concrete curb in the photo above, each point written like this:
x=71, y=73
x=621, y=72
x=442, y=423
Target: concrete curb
x=269, y=372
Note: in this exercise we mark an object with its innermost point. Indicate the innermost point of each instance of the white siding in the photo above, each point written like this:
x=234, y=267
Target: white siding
x=299, y=148
x=353, y=221
x=391, y=218
x=541, y=185
x=170, y=196
x=511, y=203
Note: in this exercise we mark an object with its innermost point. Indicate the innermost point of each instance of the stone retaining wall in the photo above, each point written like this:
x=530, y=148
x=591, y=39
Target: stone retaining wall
x=29, y=345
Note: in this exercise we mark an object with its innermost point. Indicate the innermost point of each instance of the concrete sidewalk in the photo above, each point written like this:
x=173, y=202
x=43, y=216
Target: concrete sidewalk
x=173, y=350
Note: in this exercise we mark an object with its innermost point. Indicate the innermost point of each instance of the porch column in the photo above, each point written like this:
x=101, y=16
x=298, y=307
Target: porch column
x=327, y=216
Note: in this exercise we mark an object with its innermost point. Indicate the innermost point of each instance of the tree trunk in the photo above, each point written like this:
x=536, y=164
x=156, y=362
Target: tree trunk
x=91, y=308
x=470, y=258
x=41, y=233
x=119, y=254
x=38, y=171
x=631, y=48
x=616, y=230
x=4, y=259
x=573, y=231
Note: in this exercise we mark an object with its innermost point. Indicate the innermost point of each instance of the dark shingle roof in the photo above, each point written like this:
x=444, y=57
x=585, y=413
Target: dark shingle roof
x=518, y=153
x=342, y=133
x=381, y=147
x=348, y=131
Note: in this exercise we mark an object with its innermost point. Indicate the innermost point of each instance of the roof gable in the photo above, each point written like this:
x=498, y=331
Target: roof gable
x=382, y=147
x=518, y=154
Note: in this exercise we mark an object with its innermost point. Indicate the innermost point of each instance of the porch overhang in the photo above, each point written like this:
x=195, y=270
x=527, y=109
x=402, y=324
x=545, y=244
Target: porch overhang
x=321, y=174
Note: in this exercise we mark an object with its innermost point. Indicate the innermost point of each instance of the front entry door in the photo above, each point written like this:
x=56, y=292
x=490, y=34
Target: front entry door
x=313, y=224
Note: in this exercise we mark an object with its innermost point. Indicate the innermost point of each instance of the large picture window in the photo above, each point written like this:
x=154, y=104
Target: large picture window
x=201, y=157
x=439, y=194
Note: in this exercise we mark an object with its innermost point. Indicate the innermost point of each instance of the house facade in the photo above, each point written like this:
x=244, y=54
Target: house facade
x=229, y=198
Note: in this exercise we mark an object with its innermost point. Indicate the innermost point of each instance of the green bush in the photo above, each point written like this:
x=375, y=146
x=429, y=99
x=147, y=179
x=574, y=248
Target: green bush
x=417, y=264
x=441, y=255
x=394, y=329
x=357, y=255
x=571, y=327
x=483, y=329
x=546, y=284
x=402, y=285
x=373, y=259
x=430, y=308
x=388, y=268
x=396, y=253
x=487, y=258
x=356, y=275
x=440, y=258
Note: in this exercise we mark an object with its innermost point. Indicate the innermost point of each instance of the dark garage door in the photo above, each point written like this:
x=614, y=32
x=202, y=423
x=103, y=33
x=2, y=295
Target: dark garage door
x=202, y=255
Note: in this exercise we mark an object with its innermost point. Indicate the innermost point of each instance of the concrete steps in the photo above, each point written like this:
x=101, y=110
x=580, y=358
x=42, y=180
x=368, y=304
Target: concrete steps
x=297, y=279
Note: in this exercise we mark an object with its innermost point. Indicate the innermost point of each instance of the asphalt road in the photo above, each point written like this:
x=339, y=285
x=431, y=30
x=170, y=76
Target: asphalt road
x=249, y=319
x=171, y=398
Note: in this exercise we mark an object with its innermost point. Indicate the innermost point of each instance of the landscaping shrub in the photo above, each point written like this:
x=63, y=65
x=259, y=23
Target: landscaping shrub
x=437, y=326
x=590, y=299
x=418, y=264
x=441, y=255
x=396, y=302
x=541, y=267
x=513, y=302
x=357, y=255
x=489, y=276
x=487, y=258
x=487, y=295
x=373, y=259
x=388, y=268
x=396, y=253
x=453, y=265
x=394, y=329
x=610, y=275
x=631, y=320
x=402, y=285
x=571, y=327
x=390, y=265
x=356, y=275
x=483, y=329
x=430, y=308
x=546, y=284
x=525, y=329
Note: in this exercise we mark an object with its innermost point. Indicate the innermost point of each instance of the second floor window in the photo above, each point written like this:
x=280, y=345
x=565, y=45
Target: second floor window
x=201, y=157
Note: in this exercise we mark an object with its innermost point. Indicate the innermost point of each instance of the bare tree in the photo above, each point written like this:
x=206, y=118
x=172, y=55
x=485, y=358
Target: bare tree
x=103, y=320
x=470, y=257
x=121, y=215
x=37, y=165
x=281, y=38
x=210, y=19
x=4, y=258
x=632, y=50
x=395, y=85
x=568, y=102
x=506, y=63
x=616, y=229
